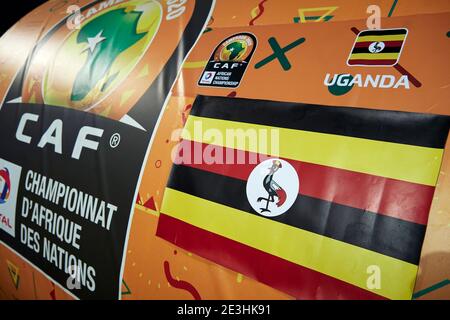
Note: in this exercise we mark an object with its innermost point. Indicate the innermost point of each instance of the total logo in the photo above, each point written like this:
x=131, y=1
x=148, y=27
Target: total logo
x=372, y=48
x=9, y=185
x=207, y=77
x=5, y=185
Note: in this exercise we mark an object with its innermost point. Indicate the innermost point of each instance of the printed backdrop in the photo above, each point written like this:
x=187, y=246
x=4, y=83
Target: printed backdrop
x=90, y=115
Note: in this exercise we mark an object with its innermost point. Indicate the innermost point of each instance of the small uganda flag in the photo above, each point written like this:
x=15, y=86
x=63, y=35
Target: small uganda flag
x=377, y=47
x=329, y=203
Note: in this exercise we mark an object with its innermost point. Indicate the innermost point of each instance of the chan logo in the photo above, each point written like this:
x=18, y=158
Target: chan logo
x=228, y=61
x=235, y=49
x=101, y=54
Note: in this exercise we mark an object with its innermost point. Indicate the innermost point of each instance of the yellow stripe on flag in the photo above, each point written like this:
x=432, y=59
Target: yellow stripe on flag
x=334, y=258
x=394, y=37
x=194, y=64
x=386, y=159
x=375, y=56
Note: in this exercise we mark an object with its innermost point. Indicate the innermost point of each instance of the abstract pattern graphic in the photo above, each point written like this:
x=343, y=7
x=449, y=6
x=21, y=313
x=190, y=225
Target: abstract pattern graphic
x=279, y=53
x=306, y=15
x=257, y=12
x=14, y=273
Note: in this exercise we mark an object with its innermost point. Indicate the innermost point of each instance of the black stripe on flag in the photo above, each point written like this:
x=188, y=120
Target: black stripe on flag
x=420, y=129
x=385, y=50
x=388, y=32
x=389, y=236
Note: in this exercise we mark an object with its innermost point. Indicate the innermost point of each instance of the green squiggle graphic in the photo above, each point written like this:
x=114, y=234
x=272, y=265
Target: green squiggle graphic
x=434, y=287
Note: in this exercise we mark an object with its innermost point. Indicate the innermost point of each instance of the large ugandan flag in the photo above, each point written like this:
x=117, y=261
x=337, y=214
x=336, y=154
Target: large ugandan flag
x=366, y=182
x=377, y=47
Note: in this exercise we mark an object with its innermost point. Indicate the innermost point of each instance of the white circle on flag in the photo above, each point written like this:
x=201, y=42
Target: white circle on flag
x=376, y=47
x=272, y=187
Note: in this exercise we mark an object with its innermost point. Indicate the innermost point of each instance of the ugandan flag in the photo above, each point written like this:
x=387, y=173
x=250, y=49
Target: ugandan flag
x=377, y=47
x=365, y=181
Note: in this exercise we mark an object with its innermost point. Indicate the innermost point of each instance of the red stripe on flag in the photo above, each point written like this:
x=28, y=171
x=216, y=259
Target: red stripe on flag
x=395, y=198
x=374, y=62
x=388, y=44
x=295, y=280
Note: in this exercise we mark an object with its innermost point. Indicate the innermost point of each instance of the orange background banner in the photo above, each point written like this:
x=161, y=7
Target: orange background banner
x=154, y=268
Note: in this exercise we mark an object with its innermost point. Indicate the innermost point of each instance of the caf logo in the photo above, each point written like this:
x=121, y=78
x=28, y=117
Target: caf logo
x=234, y=49
x=272, y=187
x=228, y=61
x=5, y=185
x=81, y=67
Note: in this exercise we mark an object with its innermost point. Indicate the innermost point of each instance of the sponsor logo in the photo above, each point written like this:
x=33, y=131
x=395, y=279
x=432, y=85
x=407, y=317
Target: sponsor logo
x=5, y=185
x=272, y=187
x=207, y=77
x=9, y=185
